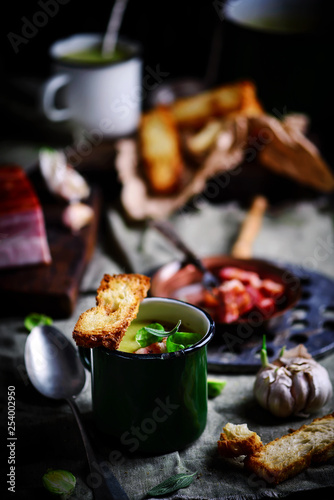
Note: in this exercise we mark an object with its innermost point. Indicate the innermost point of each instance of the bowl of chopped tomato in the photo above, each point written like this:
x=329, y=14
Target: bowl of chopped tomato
x=249, y=290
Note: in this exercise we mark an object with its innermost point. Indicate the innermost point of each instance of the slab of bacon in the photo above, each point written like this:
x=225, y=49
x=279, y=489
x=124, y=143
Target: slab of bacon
x=23, y=239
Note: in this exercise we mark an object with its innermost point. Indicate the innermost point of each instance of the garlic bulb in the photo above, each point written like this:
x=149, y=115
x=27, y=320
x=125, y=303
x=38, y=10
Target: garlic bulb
x=60, y=177
x=294, y=384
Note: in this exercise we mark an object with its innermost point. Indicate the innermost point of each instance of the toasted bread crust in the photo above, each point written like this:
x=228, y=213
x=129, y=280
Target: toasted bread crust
x=287, y=456
x=238, y=440
x=160, y=150
x=117, y=303
x=238, y=97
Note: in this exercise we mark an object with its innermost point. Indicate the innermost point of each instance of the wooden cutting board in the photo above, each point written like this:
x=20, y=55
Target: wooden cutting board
x=52, y=289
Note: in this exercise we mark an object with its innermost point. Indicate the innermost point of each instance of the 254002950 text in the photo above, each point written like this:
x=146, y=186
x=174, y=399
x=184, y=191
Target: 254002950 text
x=11, y=439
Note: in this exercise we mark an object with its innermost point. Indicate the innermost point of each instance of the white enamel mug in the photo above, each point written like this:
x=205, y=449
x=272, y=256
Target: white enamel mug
x=102, y=98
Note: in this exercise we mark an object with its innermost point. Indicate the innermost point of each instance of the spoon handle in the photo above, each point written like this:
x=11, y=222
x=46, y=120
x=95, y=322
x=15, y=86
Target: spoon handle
x=111, y=36
x=251, y=226
x=168, y=231
x=107, y=486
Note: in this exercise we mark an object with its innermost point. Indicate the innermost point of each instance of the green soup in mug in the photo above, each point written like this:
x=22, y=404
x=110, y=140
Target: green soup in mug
x=155, y=403
x=93, y=55
x=130, y=344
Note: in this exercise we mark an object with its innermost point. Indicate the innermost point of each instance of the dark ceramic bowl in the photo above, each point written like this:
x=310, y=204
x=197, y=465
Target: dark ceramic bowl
x=183, y=281
x=155, y=403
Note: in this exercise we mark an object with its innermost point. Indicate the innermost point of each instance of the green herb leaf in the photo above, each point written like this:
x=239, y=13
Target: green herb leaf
x=59, y=482
x=145, y=338
x=182, y=340
x=215, y=387
x=35, y=319
x=173, y=483
x=172, y=346
x=152, y=333
x=166, y=333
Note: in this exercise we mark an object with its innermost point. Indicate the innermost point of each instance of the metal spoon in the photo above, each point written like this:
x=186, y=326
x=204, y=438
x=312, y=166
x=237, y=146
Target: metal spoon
x=55, y=370
x=111, y=36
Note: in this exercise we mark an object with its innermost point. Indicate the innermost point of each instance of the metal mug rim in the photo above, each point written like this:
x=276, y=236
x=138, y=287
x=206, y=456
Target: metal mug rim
x=135, y=52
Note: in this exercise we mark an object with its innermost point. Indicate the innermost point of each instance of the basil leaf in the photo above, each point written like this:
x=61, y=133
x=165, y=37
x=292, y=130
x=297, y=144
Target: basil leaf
x=182, y=340
x=35, y=319
x=215, y=387
x=59, y=482
x=173, y=483
x=145, y=338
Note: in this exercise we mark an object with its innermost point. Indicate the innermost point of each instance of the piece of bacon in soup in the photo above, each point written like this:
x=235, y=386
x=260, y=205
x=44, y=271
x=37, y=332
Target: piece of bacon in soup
x=156, y=348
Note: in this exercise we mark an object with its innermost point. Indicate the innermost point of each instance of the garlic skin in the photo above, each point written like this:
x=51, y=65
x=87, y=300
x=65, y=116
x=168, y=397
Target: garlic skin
x=294, y=384
x=77, y=215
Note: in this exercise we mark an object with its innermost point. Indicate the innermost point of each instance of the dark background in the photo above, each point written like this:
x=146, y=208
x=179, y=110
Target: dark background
x=181, y=38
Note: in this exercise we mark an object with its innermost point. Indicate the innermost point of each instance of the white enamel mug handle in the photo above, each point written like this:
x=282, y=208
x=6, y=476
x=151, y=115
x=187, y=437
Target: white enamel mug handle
x=49, y=92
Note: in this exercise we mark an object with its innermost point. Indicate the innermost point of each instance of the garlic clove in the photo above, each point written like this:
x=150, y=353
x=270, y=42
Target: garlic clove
x=299, y=391
x=261, y=387
x=60, y=177
x=77, y=215
x=280, y=401
x=320, y=388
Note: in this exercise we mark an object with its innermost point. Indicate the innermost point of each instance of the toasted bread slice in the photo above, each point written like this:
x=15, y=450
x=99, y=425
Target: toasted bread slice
x=236, y=98
x=238, y=440
x=195, y=111
x=250, y=104
x=203, y=140
x=160, y=150
x=287, y=456
x=117, y=303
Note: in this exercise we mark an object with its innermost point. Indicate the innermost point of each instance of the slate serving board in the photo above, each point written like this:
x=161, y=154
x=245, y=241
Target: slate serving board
x=52, y=289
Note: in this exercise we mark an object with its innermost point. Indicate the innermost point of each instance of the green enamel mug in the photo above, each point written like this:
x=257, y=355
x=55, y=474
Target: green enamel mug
x=155, y=403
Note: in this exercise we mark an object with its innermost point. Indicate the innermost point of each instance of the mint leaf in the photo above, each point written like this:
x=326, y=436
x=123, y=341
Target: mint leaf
x=181, y=340
x=172, y=346
x=35, y=319
x=145, y=337
x=173, y=483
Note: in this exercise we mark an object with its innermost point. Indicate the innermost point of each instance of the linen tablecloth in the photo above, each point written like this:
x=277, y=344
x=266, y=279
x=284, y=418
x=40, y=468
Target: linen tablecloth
x=47, y=436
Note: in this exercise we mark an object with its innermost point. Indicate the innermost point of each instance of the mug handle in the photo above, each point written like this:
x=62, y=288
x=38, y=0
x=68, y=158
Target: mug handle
x=84, y=354
x=49, y=92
